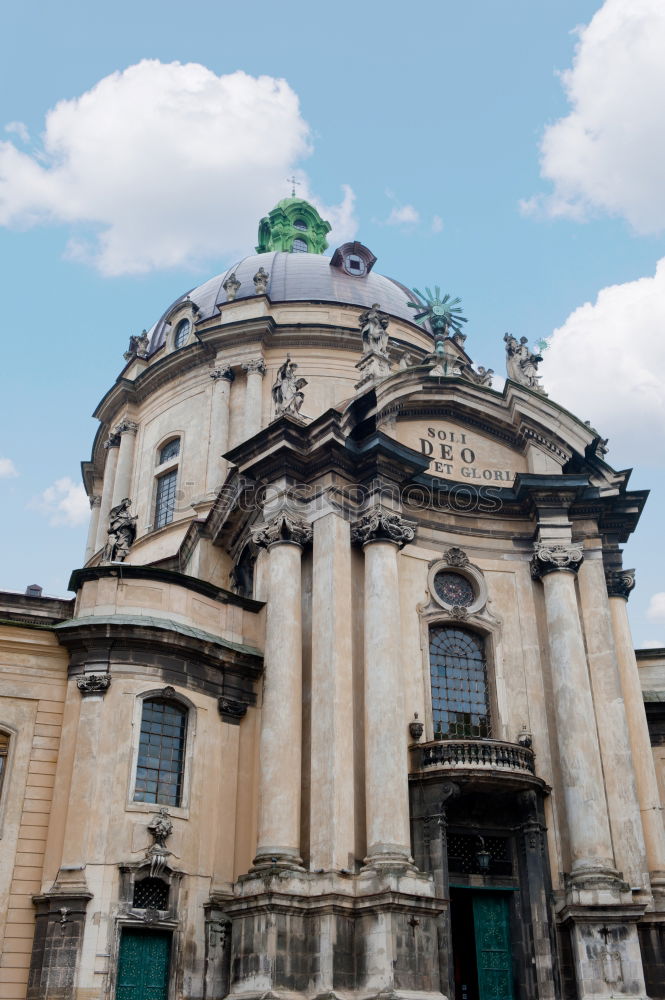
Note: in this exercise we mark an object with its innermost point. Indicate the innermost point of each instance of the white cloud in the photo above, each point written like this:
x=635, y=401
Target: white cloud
x=161, y=165
x=437, y=223
x=7, y=469
x=64, y=502
x=656, y=609
x=19, y=129
x=403, y=215
x=607, y=153
x=606, y=363
x=652, y=644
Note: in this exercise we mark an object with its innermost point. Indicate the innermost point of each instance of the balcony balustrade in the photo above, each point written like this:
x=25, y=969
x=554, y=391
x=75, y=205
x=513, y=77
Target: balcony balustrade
x=473, y=755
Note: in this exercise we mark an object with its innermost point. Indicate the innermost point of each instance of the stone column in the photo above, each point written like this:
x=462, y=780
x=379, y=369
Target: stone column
x=619, y=770
x=112, y=449
x=332, y=792
x=123, y=475
x=255, y=369
x=382, y=533
x=218, y=440
x=280, y=746
x=93, y=526
x=619, y=585
x=577, y=737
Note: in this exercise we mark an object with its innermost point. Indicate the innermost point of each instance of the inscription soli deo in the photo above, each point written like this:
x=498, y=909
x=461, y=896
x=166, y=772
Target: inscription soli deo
x=457, y=454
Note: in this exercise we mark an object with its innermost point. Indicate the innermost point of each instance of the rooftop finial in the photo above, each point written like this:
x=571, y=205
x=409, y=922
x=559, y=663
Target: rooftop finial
x=293, y=181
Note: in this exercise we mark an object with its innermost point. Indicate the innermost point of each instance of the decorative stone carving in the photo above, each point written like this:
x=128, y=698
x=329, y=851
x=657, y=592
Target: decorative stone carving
x=485, y=376
x=620, y=582
x=95, y=500
x=93, y=683
x=416, y=728
x=374, y=330
x=168, y=692
x=256, y=366
x=231, y=286
x=406, y=361
x=151, y=916
x=231, y=709
x=112, y=441
x=260, y=280
x=121, y=532
x=287, y=392
x=550, y=558
x=283, y=528
x=226, y=373
x=456, y=557
x=161, y=827
x=138, y=347
x=521, y=363
x=381, y=525
x=127, y=427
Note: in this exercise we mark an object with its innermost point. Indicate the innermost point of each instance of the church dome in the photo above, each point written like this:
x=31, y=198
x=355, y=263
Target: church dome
x=295, y=277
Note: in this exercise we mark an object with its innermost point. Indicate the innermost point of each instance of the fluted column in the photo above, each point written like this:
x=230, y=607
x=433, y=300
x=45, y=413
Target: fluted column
x=624, y=812
x=255, y=369
x=281, y=710
x=579, y=752
x=619, y=585
x=382, y=533
x=112, y=446
x=218, y=440
x=332, y=838
x=93, y=526
x=123, y=476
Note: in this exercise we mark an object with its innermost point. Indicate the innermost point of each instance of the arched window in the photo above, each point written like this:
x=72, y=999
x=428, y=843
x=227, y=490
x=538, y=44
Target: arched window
x=458, y=671
x=299, y=246
x=181, y=332
x=300, y=224
x=169, y=451
x=161, y=758
x=4, y=753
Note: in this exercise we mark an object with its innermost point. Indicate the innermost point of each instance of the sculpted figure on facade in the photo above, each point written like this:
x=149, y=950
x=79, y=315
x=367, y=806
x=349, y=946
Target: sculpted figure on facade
x=138, y=347
x=160, y=827
x=122, y=532
x=260, y=280
x=231, y=286
x=374, y=330
x=287, y=392
x=522, y=363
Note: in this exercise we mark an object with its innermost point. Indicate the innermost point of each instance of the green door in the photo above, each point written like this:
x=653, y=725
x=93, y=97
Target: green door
x=143, y=967
x=491, y=922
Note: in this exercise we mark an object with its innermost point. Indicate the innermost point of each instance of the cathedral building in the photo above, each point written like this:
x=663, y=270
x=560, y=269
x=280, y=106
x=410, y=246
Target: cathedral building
x=345, y=704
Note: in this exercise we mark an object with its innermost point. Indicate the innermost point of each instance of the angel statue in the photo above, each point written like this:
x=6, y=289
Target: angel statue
x=287, y=391
x=522, y=363
x=374, y=330
x=122, y=532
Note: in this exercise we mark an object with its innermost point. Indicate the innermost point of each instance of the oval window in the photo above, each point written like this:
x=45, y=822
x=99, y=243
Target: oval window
x=181, y=333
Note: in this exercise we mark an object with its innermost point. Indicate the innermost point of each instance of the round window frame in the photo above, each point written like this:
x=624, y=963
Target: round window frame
x=470, y=573
x=354, y=272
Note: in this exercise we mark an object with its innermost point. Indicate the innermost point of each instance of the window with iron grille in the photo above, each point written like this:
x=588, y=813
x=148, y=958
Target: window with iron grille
x=460, y=700
x=170, y=450
x=299, y=246
x=463, y=849
x=166, y=497
x=160, y=765
x=151, y=893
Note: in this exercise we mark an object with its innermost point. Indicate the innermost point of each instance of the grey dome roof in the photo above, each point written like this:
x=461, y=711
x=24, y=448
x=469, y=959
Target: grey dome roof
x=295, y=277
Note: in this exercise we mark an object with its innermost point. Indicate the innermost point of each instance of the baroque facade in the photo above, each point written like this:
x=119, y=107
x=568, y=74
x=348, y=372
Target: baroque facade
x=346, y=702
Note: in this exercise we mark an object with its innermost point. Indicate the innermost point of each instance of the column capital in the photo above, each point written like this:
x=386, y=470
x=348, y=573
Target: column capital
x=382, y=525
x=113, y=440
x=93, y=684
x=256, y=366
x=127, y=427
x=224, y=372
x=550, y=558
x=284, y=528
x=95, y=500
x=620, y=582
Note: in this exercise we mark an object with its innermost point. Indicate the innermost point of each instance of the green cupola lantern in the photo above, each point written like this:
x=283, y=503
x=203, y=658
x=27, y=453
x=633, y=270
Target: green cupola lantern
x=293, y=226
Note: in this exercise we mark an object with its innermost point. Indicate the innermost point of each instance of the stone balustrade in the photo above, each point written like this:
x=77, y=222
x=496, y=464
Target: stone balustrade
x=495, y=755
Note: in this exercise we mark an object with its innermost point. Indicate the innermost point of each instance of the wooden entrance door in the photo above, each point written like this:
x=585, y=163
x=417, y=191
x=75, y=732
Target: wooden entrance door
x=143, y=966
x=491, y=921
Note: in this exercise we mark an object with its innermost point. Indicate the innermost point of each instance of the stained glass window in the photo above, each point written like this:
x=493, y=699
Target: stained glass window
x=169, y=451
x=160, y=765
x=299, y=246
x=460, y=702
x=182, y=332
x=453, y=588
x=166, y=497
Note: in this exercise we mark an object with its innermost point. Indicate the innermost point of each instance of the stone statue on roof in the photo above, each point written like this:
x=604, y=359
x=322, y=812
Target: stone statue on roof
x=374, y=330
x=287, y=392
x=522, y=363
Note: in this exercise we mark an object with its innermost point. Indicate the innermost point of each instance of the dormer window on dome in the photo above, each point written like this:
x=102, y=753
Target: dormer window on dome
x=353, y=258
x=182, y=333
x=293, y=226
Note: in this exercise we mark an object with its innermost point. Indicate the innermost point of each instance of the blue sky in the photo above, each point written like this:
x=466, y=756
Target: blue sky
x=441, y=124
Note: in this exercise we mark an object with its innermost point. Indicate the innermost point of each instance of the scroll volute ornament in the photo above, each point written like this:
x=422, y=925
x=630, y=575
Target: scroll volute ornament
x=620, y=582
x=549, y=558
x=381, y=525
x=283, y=528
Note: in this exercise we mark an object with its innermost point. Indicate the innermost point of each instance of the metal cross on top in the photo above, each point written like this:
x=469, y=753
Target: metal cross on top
x=293, y=181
